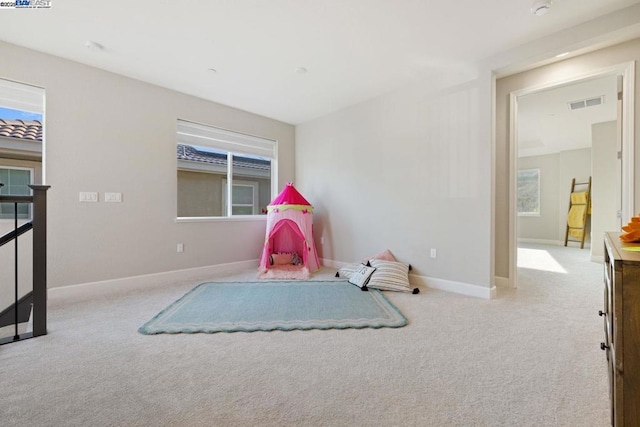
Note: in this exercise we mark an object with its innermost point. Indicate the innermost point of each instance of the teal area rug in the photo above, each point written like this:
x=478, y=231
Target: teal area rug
x=266, y=306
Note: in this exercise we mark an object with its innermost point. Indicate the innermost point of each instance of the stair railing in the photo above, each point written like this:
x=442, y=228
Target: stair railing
x=39, y=226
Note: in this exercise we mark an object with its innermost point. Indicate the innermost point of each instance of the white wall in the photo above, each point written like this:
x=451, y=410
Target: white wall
x=408, y=171
x=604, y=210
x=109, y=133
x=545, y=226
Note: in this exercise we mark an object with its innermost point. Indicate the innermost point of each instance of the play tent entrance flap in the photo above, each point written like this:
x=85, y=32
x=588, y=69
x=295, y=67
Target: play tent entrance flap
x=290, y=230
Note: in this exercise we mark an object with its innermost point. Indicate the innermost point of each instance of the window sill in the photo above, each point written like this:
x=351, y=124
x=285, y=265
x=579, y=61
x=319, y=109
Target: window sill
x=235, y=218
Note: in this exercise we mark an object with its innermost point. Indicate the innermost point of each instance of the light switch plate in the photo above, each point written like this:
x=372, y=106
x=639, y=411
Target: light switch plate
x=88, y=196
x=113, y=197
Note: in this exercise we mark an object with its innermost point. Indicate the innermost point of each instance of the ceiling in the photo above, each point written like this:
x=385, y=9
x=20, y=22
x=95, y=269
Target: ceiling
x=547, y=125
x=353, y=50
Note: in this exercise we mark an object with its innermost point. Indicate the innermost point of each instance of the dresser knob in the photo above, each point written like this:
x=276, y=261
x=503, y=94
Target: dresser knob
x=601, y=313
x=603, y=347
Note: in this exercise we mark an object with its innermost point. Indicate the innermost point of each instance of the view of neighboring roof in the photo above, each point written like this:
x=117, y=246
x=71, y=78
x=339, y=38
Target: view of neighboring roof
x=22, y=129
x=193, y=154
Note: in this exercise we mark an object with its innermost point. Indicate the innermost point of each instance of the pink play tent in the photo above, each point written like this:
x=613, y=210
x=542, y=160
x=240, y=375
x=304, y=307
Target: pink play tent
x=289, y=233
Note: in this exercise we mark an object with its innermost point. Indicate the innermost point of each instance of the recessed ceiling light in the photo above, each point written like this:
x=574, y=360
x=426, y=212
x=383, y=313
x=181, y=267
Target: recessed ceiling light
x=301, y=70
x=561, y=55
x=539, y=8
x=213, y=70
x=91, y=45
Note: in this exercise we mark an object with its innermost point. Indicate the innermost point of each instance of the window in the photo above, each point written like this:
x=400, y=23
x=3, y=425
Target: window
x=16, y=183
x=245, y=197
x=529, y=192
x=212, y=163
x=21, y=121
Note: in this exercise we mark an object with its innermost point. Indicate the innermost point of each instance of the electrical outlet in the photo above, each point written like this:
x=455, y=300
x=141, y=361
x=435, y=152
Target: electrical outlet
x=180, y=248
x=434, y=253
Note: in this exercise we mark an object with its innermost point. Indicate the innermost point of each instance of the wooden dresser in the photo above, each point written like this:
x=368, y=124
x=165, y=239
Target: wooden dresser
x=622, y=329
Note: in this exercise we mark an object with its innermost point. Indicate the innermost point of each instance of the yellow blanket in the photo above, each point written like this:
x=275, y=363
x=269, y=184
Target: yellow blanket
x=576, y=233
x=579, y=198
x=577, y=218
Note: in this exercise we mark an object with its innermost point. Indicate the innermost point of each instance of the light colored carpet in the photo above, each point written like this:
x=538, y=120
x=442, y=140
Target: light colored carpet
x=529, y=358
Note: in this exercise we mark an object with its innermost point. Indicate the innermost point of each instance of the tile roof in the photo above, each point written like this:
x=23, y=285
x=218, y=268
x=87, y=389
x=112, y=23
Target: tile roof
x=21, y=129
x=192, y=154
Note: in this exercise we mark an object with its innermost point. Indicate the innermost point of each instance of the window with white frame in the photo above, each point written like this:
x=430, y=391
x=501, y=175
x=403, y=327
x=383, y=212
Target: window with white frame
x=529, y=192
x=213, y=162
x=16, y=183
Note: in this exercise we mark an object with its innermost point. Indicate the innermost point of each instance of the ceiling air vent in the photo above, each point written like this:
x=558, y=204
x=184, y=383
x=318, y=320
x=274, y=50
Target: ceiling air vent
x=576, y=105
x=583, y=103
x=594, y=101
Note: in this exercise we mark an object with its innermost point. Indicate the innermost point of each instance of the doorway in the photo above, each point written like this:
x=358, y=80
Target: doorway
x=553, y=128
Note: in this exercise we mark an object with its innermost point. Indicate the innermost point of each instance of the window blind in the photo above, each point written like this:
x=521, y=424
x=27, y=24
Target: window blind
x=22, y=97
x=208, y=136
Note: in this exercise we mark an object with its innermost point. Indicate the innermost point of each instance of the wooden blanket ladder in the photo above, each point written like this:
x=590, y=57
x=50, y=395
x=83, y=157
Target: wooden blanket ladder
x=579, y=210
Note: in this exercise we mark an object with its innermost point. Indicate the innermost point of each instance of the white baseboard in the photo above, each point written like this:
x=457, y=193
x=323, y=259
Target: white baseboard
x=501, y=282
x=149, y=280
x=453, y=286
x=434, y=283
x=572, y=243
x=204, y=273
x=541, y=241
x=332, y=263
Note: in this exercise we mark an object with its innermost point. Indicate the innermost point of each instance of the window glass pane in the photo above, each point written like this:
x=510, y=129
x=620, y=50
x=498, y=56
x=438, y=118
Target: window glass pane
x=23, y=210
x=242, y=210
x=242, y=195
x=201, y=171
x=18, y=190
x=251, y=184
x=200, y=154
x=529, y=192
x=16, y=183
x=19, y=178
x=7, y=210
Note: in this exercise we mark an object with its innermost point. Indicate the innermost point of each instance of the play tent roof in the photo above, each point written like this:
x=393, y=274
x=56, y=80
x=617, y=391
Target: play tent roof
x=289, y=196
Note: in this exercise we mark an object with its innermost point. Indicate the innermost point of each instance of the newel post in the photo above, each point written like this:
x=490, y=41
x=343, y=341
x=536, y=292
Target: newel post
x=39, y=259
